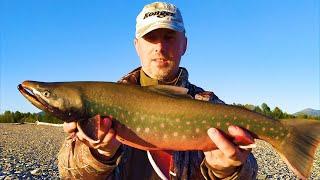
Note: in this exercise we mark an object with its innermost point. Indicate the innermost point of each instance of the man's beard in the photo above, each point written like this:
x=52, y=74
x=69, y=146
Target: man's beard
x=164, y=72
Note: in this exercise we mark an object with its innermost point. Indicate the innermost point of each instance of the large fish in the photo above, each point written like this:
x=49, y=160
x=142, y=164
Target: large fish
x=164, y=118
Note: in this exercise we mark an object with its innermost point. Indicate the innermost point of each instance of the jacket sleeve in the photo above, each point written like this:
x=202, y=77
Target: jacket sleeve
x=247, y=171
x=76, y=161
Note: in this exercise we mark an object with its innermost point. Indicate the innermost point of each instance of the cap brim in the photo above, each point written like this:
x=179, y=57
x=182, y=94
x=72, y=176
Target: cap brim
x=158, y=26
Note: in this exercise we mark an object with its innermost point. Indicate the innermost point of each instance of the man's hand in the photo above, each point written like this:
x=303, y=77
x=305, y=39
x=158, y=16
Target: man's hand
x=225, y=160
x=97, y=134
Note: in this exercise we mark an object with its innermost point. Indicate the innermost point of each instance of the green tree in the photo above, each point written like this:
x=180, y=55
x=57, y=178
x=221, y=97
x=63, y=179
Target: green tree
x=266, y=109
x=277, y=113
x=257, y=109
x=18, y=117
x=7, y=117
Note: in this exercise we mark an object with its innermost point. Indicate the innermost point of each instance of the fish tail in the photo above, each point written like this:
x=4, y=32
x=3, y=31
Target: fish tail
x=299, y=147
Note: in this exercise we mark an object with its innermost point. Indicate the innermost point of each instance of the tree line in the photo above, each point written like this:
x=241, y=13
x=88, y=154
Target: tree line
x=276, y=113
x=19, y=117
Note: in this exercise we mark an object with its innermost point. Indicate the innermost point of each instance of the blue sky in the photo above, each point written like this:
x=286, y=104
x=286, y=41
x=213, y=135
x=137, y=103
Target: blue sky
x=245, y=51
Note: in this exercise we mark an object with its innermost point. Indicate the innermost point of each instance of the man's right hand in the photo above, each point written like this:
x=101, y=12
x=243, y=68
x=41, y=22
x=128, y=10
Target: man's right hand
x=97, y=134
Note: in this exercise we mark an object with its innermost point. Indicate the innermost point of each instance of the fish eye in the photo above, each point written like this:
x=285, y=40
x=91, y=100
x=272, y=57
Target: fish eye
x=46, y=94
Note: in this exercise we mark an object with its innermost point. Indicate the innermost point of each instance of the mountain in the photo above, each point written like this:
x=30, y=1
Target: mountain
x=309, y=112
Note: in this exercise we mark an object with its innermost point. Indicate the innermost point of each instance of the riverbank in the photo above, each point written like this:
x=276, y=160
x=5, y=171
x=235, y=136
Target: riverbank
x=29, y=151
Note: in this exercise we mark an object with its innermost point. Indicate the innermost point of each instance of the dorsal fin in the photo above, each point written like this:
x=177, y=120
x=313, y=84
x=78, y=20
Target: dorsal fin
x=172, y=91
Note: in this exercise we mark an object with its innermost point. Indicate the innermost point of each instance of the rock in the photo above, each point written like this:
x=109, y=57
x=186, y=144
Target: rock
x=8, y=178
x=261, y=177
x=35, y=171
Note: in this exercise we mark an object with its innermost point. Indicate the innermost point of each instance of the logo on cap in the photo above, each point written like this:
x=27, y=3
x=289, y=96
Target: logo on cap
x=159, y=14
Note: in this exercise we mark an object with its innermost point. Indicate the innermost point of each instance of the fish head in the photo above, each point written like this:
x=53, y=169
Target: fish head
x=59, y=99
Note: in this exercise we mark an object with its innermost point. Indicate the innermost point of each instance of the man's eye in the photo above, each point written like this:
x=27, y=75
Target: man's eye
x=150, y=37
x=170, y=37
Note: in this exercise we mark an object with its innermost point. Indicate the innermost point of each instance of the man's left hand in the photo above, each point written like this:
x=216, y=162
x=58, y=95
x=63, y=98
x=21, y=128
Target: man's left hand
x=228, y=158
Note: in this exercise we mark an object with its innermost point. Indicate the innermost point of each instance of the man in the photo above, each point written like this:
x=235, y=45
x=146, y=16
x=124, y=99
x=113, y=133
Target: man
x=160, y=42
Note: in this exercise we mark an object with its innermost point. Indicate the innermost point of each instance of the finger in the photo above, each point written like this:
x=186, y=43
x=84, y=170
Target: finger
x=240, y=135
x=69, y=127
x=109, y=140
x=83, y=136
x=223, y=144
x=105, y=125
x=247, y=147
x=110, y=136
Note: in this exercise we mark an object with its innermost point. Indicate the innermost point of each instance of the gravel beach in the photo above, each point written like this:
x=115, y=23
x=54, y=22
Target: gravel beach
x=28, y=151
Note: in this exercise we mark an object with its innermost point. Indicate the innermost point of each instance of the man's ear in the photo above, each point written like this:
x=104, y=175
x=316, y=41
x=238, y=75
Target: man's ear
x=185, y=45
x=135, y=41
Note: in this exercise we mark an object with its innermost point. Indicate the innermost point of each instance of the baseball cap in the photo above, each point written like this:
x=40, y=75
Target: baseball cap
x=158, y=15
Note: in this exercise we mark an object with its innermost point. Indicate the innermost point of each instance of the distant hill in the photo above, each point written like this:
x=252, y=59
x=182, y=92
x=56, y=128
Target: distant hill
x=309, y=112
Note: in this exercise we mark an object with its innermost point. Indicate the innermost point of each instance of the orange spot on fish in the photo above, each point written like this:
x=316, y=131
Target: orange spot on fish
x=235, y=118
x=225, y=116
x=147, y=130
x=165, y=136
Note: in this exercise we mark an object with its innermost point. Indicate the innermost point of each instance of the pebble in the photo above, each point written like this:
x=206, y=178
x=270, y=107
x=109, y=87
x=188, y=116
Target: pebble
x=29, y=152
x=35, y=171
x=271, y=166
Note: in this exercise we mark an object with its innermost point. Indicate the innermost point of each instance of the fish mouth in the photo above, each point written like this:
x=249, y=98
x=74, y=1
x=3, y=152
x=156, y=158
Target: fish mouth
x=27, y=91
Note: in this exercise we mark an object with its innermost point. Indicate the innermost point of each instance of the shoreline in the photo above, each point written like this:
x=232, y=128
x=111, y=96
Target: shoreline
x=30, y=151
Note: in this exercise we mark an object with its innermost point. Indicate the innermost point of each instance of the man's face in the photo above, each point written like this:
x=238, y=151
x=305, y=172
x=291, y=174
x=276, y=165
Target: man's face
x=160, y=52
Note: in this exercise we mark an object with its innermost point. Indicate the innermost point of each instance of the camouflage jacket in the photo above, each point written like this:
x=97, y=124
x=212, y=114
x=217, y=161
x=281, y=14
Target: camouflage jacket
x=77, y=162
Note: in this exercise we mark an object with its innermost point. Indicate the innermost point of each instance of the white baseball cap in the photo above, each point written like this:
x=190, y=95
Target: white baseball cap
x=158, y=15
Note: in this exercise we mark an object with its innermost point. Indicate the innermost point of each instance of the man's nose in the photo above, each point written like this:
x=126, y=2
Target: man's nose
x=161, y=47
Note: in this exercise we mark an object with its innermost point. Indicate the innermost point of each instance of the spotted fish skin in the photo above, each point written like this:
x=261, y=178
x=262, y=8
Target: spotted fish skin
x=154, y=119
